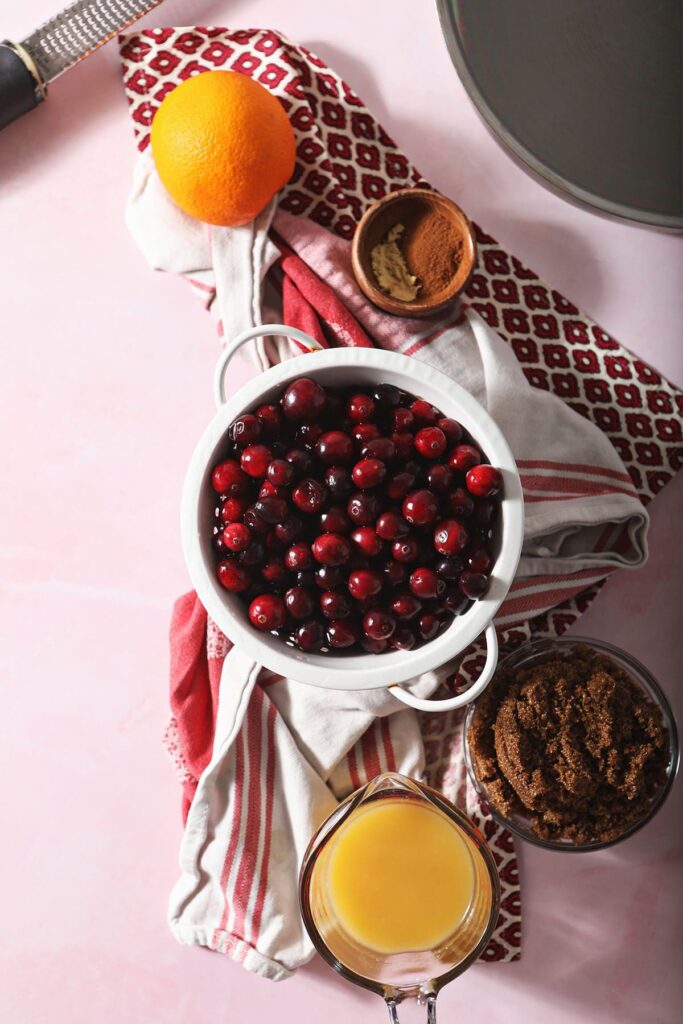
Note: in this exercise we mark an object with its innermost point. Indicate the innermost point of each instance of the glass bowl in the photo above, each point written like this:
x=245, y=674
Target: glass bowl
x=539, y=650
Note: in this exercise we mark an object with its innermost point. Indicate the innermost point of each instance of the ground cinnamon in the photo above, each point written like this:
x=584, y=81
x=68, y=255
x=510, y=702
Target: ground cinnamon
x=432, y=247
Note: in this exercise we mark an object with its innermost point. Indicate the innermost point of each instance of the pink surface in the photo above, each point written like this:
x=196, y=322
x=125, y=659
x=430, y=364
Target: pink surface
x=106, y=386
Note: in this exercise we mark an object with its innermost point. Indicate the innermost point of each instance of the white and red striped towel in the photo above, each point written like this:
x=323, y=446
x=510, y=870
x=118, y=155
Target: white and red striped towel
x=282, y=753
x=259, y=773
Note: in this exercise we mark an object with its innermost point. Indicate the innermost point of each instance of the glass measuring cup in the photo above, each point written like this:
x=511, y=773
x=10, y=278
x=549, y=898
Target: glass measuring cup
x=379, y=920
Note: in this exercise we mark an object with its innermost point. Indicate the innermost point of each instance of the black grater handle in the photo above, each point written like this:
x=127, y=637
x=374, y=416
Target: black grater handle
x=20, y=91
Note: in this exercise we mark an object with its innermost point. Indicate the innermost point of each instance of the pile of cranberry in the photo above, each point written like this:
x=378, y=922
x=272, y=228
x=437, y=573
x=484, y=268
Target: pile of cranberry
x=353, y=520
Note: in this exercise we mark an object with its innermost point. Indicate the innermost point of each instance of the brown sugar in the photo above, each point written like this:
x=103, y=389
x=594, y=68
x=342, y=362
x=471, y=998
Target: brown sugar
x=432, y=248
x=572, y=744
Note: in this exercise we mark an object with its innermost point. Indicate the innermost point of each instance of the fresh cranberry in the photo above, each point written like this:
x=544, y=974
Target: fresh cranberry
x=331, y=549
x=484, y=481
x=309, y=495
x=299, y=603
x=328, y=577
x=364, y=583
x=379, y=624
x=453, y=601
x=373, y=646
x=450, y=568
x=403, y=443
x=268, y=490
x=366, y=540
x=267, y=612
x=305, y=579
x=273, y=510
x=301, y=461
x=338, y=481
x=406, y=549
x=405, y=606
x=459, y=503
x=254, y=555
x=364, y=432
x=335, y=605
x=233, y=576
x=335, y=520
x=403, y=640
x=394, y=572
x=299, y=557
x=399, y=484
x=439, y=478
x=272, y=543
x=335, y=410
x=425, y=583
x=233, y=509
x=463, y=457
x=254, y=521
x=381, y=448
x=402, y=420
x=430, y=442
x=280, y=473
x=236, y=536
x=290, y=529
x=256, y=459
x=335, y=448
x=420, y=507
x=245, y=430
x=484, y=513
x=391, y=526
x=368, y=473
x=270, y=418
x=228, y=478
x=428, y=626
x=363, y=508
x=309, y=636
x=473, y=584
x=308, y=434
x=478, y=560
x=342, y=633
x=450, y=537
x=219, y=545
x=425, y=414
x=360, y=408
x=451, y=428
x=386, y=397
x=275, y=573
x=304, y=400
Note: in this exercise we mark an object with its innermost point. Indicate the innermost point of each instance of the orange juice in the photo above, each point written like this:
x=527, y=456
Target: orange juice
x=399, y=876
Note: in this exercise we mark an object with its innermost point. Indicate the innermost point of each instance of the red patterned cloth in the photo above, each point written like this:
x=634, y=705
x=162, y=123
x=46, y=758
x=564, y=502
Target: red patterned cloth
x=346, y=160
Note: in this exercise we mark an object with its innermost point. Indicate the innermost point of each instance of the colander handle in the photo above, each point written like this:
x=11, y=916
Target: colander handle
x=255, y=332
x=423, y=704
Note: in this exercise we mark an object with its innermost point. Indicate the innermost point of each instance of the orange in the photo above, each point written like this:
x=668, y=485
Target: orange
x=223, y=146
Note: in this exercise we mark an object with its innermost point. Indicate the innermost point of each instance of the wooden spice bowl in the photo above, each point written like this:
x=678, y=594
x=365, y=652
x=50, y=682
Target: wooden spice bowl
x=372, y=229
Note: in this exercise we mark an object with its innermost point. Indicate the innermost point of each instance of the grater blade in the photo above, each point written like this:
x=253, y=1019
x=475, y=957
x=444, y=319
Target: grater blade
x=81, y=28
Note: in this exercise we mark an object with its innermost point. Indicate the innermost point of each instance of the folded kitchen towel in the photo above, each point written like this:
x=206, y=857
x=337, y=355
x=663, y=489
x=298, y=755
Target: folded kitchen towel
x=262, y=760
x=287, y=746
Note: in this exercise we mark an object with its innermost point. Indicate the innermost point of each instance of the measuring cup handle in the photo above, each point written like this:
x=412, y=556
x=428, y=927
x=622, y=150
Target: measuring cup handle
x=261, y=331
x=393, y=1005
x=423, y=704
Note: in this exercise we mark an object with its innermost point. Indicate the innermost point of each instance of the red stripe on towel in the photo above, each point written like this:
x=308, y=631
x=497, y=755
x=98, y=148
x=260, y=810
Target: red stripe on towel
x=371, y=761
x=388, y=745
x=353, y=769
x=579, y=467
x=249, y=858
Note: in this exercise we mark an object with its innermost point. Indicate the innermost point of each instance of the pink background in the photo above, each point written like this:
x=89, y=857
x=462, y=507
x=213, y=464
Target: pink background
x=106, y=372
